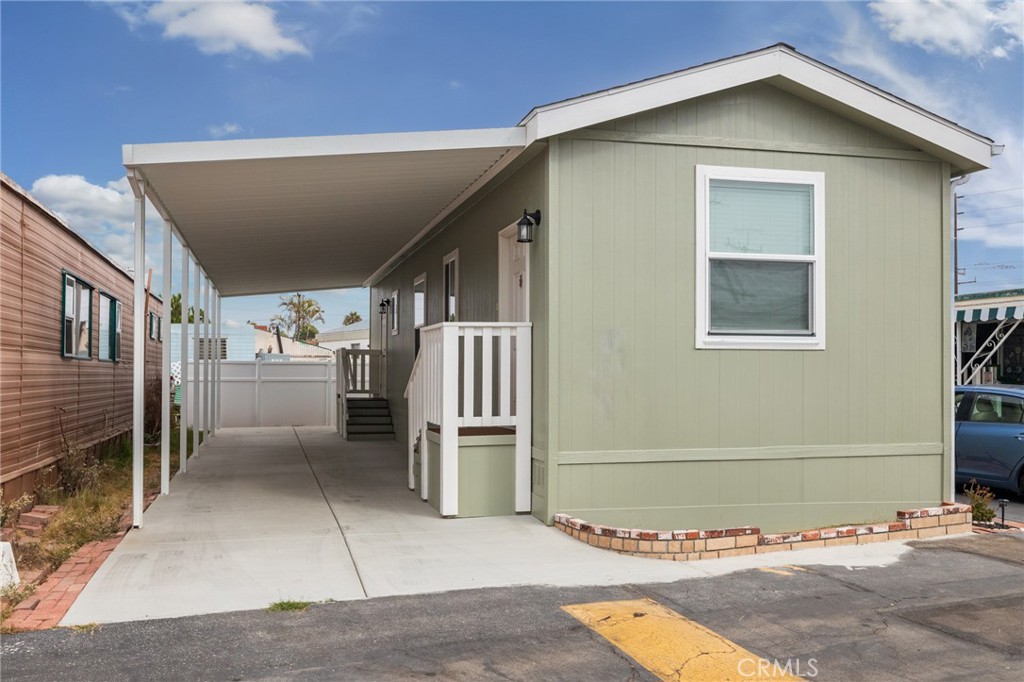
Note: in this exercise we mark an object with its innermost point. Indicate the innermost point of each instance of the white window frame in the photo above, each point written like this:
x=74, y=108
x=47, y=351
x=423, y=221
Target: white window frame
x=110, y=327
x=393, y=310
x=78, y=287
x=706, y=340
x=422, y=279
x=446, y=313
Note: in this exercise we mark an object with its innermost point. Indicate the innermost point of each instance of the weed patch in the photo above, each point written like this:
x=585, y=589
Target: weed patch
x=289, y=605
x=980, y=499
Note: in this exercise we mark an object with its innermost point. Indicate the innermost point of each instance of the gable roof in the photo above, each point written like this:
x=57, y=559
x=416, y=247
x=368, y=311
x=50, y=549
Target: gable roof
x=782, y=66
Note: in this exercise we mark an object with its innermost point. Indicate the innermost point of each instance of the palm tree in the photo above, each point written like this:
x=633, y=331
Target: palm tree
x=176, y=311
x=352, y=318
x=300, y=312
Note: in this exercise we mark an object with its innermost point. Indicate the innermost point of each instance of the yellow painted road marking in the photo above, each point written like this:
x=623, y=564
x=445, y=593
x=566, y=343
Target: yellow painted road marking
x=777, y=571
x=671, y=646
x=796, y=568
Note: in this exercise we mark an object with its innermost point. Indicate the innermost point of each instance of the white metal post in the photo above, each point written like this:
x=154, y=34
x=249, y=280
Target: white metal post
x=449, y=420
x=220, y=360
x=524, y=416
x=207, y=355
x=139, y=354
x=183, y=336
x=195, y=362
x=165, y=369
x=213, y=346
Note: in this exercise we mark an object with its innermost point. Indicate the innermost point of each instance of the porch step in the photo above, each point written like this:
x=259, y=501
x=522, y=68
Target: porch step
x=367, y=402
x=368, y=412
x=369, y=419
x=371, y=428
x=371, y=436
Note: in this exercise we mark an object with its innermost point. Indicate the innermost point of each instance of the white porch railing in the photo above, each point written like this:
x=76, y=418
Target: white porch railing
x=470, y=374
x=361, y=372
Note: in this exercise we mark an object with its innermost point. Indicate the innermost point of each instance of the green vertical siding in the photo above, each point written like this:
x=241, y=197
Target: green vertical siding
x=630, y=381
x=474, y=231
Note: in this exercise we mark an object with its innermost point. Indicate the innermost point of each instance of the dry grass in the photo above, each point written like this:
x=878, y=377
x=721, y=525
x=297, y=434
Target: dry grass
x=94, y=512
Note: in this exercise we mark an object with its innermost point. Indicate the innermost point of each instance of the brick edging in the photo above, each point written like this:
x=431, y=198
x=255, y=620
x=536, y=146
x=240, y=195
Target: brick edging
x=58, y=590
x=692, y=545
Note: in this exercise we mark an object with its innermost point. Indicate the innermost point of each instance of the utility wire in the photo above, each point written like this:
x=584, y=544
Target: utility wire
x=994, y=191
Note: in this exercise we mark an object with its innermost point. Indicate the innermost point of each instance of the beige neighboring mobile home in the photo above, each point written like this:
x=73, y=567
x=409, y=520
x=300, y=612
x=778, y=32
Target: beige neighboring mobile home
x=65, y=341
x=735, y=308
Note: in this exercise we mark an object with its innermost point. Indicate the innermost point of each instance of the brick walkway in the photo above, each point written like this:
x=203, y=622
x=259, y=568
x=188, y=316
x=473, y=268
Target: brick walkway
x=54, y=597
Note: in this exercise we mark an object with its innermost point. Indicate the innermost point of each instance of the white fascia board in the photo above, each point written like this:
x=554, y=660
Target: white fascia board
x=590, y=110
x=885, y=107
x=136, y=155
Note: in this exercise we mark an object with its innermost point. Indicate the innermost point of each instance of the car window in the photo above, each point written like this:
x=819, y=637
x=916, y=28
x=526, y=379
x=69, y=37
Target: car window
x=957, y=399
x=996, y=408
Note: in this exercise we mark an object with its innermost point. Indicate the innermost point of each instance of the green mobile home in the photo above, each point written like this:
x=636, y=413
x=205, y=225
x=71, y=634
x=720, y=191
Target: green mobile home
x=704, y=289
x=734, y=307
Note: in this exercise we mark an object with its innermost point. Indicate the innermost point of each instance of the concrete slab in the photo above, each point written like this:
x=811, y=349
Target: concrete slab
x=270, y=514
x=246, y=526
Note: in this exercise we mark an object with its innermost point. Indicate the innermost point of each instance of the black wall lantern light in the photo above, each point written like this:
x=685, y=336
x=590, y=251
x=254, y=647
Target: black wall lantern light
x=384, y=304
x=525, y=226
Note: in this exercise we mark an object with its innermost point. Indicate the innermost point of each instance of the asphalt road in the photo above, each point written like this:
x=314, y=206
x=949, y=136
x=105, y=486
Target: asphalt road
x=946, y=610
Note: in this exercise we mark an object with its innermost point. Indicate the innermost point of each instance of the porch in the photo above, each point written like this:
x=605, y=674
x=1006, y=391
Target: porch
x=268, y=514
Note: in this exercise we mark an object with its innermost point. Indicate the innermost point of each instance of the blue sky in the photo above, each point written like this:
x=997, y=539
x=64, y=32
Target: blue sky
x=81, y=79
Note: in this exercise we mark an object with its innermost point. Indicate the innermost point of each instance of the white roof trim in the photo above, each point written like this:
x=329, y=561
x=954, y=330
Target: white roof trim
x=336, y=145
x=779, y=61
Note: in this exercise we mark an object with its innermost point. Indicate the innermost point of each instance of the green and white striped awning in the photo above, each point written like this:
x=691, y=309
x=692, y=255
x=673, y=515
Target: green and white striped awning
x=990, y=314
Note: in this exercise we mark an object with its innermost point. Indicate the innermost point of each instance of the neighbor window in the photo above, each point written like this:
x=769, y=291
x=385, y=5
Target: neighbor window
x=760, y=258
x=110, y=328
x=451, y=286
x=419, y=301
x=76, y=334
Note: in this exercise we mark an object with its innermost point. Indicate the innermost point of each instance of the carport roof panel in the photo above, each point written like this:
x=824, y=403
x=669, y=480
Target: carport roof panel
x=288, y=214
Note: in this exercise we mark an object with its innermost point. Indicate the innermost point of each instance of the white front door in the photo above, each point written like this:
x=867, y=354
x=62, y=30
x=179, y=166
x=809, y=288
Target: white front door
x=514, y=278
x=513, y=285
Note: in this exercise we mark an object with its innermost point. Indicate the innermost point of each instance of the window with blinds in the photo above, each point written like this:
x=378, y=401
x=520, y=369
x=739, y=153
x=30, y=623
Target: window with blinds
x=760, y=265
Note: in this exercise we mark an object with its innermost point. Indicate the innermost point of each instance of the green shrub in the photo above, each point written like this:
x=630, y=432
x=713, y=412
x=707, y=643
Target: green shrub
x=980, y=499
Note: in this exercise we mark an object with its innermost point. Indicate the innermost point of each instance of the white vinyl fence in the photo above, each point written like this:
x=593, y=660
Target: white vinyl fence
x=260, y=393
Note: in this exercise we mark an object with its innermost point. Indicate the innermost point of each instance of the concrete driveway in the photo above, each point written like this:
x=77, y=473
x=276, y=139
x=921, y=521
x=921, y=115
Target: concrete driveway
x=269, y=514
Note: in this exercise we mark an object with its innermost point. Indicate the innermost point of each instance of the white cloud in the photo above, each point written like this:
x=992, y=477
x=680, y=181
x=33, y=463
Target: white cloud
x=455, y=85
x=224, y=129
x=104, y=215
x=857, y=48
x=233, y=324
x=218, y=27
x=963, y=29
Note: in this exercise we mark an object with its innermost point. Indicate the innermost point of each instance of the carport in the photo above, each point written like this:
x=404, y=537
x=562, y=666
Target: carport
x=280, y=215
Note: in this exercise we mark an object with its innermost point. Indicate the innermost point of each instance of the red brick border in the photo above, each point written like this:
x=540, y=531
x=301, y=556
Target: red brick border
x=54, y=597
x=692, y=545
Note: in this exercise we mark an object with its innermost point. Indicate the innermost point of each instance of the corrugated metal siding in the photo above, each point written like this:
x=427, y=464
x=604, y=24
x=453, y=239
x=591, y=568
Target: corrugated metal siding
x=37, y=384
